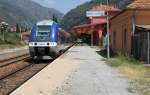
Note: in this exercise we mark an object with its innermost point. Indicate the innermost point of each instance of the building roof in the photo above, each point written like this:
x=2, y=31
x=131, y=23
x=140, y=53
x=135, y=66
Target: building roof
x=139, y=4
x=100, y=7
x=87, y=25
x=45, y=22
x=26, y=33
x=147, y=27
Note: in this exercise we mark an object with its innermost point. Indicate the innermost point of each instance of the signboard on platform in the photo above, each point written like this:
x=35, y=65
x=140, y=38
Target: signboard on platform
x=95, y=13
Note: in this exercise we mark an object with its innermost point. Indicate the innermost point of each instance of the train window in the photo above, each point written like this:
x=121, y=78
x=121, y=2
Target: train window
x=43, y=31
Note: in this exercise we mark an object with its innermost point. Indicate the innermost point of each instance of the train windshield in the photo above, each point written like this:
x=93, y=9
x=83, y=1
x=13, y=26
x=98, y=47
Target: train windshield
x=43, y=33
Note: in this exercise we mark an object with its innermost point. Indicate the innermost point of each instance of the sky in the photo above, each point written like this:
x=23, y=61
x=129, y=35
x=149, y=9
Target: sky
x=62, y=5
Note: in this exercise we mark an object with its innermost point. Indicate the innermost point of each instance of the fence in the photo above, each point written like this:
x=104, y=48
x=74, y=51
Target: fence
x=141, y=44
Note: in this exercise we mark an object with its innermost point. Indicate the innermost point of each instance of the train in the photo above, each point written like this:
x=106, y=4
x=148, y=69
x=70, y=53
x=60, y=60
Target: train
x=47, y=39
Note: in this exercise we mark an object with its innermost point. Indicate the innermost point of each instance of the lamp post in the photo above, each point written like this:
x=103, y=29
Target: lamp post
x=91, y=33
x=4, y=29
x=108, y=49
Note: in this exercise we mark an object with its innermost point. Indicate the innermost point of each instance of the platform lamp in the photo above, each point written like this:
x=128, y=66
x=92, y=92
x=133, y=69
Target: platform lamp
x=108, y=49
x=4, y=29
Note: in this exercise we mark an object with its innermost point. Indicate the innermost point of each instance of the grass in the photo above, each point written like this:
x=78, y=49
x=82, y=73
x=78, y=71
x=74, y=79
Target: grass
x=136, y=72
x=9, y=46
x=11, y=41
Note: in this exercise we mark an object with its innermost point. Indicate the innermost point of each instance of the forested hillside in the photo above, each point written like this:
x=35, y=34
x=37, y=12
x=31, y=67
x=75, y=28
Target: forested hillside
x=77, y=15
x=24, y=12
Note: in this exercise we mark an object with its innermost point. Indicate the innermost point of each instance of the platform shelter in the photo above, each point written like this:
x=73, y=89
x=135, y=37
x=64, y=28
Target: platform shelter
x=94, y=30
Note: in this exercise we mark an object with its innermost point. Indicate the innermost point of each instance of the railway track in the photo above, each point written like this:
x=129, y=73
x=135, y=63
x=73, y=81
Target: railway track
x=16, y=71
x=12, y=65
x=11, y=82
x=12, y=60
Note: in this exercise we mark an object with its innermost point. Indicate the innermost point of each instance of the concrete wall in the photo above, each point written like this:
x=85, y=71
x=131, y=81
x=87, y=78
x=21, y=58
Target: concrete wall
x=121, y=30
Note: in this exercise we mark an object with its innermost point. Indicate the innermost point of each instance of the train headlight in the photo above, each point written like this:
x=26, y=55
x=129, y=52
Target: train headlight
x=35, y=44
x=48, y=44
x=31, y=44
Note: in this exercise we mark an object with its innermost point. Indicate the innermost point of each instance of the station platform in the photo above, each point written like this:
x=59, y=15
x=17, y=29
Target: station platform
x=80, y=71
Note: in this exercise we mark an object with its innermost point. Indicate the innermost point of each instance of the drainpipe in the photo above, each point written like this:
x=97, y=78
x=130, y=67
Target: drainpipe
x=133, y=25
x=133, y=22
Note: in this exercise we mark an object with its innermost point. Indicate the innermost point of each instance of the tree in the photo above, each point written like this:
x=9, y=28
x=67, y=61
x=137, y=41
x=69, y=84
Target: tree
x=17, y=28
x=54, y=18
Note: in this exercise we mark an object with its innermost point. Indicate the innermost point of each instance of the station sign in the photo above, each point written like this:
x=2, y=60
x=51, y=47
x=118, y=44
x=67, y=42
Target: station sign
x=95, y=13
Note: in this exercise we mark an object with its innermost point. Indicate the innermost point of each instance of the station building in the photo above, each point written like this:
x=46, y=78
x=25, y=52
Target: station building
x=96, y=26
x=127, y=28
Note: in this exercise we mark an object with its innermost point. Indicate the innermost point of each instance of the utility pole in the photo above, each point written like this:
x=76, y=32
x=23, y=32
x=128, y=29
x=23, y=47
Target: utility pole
x=108, y=49
x=92, y=44
x=92, y=36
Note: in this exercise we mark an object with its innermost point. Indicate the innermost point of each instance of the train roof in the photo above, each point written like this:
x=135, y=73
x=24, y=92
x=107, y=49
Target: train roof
x=45, y=22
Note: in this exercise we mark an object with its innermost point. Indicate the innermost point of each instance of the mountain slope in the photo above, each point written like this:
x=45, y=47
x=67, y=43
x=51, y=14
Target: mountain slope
x=77, y=15
x=25, y=12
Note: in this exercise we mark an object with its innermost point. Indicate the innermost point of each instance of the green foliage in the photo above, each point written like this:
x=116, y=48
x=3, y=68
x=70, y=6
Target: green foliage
x=127, y=58
x=10, y=38
x=25, y=12
x=74, y=35
x=136, y=72
x=121, y=59
x=75, y=16
x=54, y=18
x=17, y=28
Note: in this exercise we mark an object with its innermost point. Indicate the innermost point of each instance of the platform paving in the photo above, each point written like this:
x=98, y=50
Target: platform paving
x=80, y=71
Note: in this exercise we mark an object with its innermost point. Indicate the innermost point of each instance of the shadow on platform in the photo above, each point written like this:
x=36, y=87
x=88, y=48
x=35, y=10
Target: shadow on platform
x=103, y=53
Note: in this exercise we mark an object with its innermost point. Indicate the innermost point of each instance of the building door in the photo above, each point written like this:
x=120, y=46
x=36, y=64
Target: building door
x=95, y=38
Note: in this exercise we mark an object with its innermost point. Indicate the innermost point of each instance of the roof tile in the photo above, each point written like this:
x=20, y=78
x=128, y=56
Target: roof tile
x=140, y=4
x=100, y=7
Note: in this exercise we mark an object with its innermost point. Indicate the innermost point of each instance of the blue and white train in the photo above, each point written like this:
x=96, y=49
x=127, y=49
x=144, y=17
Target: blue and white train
x=45, y=39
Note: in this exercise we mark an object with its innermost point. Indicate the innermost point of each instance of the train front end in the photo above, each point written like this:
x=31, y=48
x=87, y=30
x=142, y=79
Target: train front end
x=43, y=39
